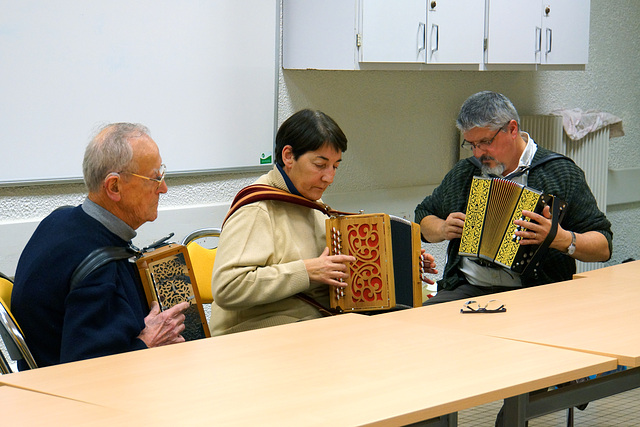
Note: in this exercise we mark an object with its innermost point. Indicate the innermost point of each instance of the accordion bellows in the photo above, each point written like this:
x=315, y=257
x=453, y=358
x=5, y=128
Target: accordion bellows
x=489, y=231
x=167, y=277
x=388, y=266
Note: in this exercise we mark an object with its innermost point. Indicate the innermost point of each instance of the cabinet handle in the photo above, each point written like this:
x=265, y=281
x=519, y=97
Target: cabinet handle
x=549, y=40
x=538, y=44
x=437, y=38
x=422, y=37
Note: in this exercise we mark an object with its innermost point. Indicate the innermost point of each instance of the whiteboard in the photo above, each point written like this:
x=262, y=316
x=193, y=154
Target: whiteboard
x=201, y=74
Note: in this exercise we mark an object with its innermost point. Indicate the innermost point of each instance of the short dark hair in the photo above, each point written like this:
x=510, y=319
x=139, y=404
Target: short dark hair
x=308, y=130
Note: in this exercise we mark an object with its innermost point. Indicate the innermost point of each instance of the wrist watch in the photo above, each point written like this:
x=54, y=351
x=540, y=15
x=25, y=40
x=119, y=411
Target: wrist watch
x=572, y=247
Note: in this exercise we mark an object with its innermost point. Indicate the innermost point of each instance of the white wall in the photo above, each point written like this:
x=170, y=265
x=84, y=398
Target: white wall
x=400, y=126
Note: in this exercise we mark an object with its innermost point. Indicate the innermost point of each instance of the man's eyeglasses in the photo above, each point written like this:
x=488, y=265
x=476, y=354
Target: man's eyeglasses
x=160, y=180
x=493, y=306
x=481, y=144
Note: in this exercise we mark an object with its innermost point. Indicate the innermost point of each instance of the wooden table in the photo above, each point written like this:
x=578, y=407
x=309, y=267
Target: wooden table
x=596, y=313
x=343, y=370
x=626, y=271
x=20, y=407
x=581, y=314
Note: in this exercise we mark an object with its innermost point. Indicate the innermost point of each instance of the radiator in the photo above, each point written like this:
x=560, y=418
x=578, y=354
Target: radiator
x=591, y=153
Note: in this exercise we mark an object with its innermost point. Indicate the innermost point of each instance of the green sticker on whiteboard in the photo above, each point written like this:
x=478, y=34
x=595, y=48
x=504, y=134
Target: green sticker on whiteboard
x=265, y=158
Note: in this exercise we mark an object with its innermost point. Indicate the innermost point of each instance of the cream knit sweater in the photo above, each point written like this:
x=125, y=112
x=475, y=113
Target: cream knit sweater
x=259, y=264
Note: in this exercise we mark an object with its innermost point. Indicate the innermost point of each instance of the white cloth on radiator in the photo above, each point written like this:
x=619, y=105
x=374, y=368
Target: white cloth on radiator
x=577, y=123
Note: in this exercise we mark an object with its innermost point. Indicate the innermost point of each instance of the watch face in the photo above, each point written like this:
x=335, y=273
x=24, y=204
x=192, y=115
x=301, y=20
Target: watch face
x=572, y=247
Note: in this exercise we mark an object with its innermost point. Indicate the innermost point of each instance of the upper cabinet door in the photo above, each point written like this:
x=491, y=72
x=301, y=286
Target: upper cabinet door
x=393, y=31
x=422, y=31
x=565, y=26
x=455, y=31
x=514, y=32
x=538, y=32
x=319, y=34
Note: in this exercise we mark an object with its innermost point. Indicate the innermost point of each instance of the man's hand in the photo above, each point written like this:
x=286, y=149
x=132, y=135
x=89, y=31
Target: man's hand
x=436, y=230
x=428, y=266
x=453, y=225
x=591, y=246
x=535, y=231
x=164, y=327
x=329, y=269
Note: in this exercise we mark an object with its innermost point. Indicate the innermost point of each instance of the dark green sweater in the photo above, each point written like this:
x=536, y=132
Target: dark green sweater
x=559, y=177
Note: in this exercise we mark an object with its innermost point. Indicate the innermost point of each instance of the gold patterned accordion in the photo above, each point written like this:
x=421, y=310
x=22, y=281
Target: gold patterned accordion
x=167, y=277
x=388, y=269
x=489, y=231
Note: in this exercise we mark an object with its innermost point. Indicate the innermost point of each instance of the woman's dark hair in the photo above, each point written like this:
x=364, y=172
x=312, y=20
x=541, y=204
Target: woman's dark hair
x=308, y=130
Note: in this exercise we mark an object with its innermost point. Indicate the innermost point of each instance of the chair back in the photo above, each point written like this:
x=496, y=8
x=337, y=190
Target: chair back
x=13, y=338
x=202, y=260
x=5, y=368
x=6, y=286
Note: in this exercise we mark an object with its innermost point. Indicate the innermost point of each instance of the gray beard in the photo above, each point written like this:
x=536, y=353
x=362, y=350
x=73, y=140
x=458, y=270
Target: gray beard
x=497, y=170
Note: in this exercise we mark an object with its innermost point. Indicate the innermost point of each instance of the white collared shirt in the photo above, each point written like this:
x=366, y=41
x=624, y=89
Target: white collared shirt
x=525, y=159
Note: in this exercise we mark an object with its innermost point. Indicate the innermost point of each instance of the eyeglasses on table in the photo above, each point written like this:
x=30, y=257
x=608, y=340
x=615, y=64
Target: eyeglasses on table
x=493, y=306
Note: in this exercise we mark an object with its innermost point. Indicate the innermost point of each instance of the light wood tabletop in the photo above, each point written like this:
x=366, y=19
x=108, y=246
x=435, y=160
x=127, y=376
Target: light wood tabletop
x=624, y=271
x=597, y=314
x=29, y=408
x=342, y=370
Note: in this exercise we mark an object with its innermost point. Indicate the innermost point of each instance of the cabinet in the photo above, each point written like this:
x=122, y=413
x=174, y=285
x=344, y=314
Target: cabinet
x=434, y=34
x=541, y=32
x=421, y=31
x=382, y=34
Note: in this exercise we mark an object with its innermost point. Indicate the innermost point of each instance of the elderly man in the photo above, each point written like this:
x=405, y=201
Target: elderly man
x=490, y=126
x=106, y=312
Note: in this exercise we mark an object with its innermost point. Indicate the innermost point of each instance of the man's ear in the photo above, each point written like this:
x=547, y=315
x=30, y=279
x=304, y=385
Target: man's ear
x=112, y=186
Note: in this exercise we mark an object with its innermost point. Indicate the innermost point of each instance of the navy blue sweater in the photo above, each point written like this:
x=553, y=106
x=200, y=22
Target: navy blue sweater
x=103, y=315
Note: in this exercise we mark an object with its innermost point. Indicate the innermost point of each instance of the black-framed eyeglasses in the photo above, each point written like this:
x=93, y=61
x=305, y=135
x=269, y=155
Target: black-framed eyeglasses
x=160, y=180
x=482, y=144
x=493, y=306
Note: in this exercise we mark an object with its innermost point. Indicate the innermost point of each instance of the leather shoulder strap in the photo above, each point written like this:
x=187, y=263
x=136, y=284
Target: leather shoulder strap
x=549, y=157
x=322, y=309
x=257, y=192
x=557, y=212
x=98, y=258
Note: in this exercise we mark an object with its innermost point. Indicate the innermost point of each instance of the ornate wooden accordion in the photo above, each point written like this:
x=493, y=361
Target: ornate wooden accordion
x=488, y=234
x=167, y=277
x=388, y=268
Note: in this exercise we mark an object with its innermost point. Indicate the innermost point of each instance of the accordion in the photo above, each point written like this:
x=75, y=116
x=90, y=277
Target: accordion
x=387, y=272
x=167, y=277
x=489, y=231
